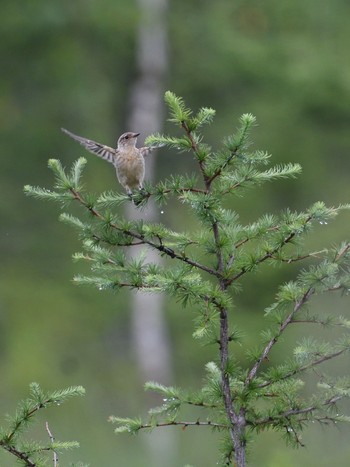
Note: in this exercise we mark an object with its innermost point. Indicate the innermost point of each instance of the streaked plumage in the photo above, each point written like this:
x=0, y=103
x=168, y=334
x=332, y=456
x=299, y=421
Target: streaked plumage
x=127, y=159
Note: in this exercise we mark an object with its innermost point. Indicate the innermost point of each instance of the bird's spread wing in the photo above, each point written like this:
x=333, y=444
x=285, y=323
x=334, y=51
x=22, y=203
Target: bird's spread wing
x=147, y=149
x=100, y=150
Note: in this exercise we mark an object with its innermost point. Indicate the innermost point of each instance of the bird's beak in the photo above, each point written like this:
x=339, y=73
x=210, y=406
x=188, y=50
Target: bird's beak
x=135, y=135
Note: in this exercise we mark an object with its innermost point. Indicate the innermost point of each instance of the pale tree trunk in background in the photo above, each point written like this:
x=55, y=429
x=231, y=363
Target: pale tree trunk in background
x=150, y=337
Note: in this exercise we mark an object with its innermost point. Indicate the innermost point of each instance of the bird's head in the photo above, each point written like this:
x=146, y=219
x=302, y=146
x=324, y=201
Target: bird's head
x=127, y=139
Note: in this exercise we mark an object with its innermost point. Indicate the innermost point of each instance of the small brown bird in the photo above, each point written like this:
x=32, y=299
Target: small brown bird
x=127, y=159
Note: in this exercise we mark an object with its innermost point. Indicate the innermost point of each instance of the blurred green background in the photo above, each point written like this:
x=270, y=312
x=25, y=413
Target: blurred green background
x=70, y=64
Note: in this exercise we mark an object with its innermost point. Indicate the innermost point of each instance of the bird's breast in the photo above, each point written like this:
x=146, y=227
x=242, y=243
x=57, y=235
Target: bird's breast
x=130, y=167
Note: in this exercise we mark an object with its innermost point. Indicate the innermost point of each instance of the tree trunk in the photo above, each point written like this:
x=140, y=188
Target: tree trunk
x=150, y=337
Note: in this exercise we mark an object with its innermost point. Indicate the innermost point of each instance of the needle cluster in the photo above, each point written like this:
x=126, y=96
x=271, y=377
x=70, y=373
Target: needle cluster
x=13, y=438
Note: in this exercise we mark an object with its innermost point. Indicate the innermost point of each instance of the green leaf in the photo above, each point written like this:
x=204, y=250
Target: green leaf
x=178, y=111
x=158, y=140
x=76, y=172
x=204, y=116
x=126, y=425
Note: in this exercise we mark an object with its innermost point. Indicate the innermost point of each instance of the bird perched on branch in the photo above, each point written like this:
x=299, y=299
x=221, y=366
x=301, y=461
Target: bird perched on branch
x=127, y=159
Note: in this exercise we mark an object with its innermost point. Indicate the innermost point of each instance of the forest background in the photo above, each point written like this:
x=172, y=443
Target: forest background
x=71, y=64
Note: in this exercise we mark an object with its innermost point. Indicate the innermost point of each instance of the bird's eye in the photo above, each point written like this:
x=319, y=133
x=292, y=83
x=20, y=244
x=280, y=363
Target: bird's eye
x=126, y=137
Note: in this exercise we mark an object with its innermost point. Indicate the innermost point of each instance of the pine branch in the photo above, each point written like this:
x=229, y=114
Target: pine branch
x=163, y=249
x=269, y=254
x=235, y=144
x=179, y=112
x=19, y=454
x=314, y=254
x=200, y=156
x=246, y=176
x=301, y=369
x=25, y=413
x=52, y=440
x=341, y=322
x=299, y=411
x=252, y=373
x=132, y=426
x=186, y=424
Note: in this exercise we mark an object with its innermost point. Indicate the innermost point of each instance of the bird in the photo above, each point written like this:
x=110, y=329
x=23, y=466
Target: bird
x=127, y=159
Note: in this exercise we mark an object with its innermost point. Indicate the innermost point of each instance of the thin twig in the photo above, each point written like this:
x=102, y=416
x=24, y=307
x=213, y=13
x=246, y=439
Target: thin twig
x=224, y=165
x=17, y=427
x=184, y=424
x=301, y=257
x=266, y=256
x=177, y=190
x=52, y=439
x=322, y=359
x=206, y=179
x=342, y=252
x=293, y=412
x=160, y=247
x=274, y=339
x=316, y=321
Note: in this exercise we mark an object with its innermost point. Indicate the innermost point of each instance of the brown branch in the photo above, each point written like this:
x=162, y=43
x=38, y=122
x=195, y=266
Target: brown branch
x=236, y=420
x=342, y=252
x=206, y=179
x=19, y=454
x=293, y=412
x=184, y=424
x=322, y=359
x=100, y=239
x=160, y=247
x=223, y=166
x=142, y=286
x=42, y=405
x=200, y=404
x=268, y=255
x=147, y=194
x=316, y=321
x=179, y=190
x=337, y=287
x=6, y=441
x=247, y=239
x=236, y=417
x=252, y=373
x=235, y=186
x=301, y=257
x=286, y=322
